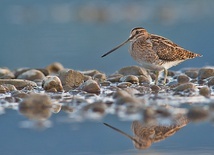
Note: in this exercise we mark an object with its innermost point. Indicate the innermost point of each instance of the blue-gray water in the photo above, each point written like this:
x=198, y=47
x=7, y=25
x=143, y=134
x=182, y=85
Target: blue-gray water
x=76, y=33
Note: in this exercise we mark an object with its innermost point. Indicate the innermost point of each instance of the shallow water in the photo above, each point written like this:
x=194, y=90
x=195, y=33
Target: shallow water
x=35, y=34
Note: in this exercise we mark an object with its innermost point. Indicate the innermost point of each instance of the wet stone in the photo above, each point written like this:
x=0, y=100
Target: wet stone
x=52, y=84
x=18, y=83
x=56, y=108
x=90, y=86
x=114, y=78
x=130, y=78
x=5, y=73
x=197, y=114
x=205, y=73
x=87, y=77
x=205, y=91
x=182, y=79
x=19, y=94
x=144, y=79
x=54, y=68
x=105, y=83
x=9, y=87
x=99, y=77
x=3, y=90
x=133, y=70
x=192, y=73
x=32, y=75
x=211, y=81
x=185, y=86
x=143, y=89
x=124, y=84
x=90, y=72
x=155, y=88
x=71, y=79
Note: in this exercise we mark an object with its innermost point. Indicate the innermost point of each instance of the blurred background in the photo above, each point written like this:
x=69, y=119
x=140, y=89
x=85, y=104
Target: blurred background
x=76, y=33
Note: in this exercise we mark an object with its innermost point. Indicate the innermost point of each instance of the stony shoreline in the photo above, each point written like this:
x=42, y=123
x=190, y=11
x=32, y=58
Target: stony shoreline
x=128, y=93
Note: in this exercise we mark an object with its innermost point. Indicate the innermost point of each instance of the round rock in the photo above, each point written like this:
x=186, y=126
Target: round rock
x=18, y=83
x=211, y=81
x=5, y=73
x=100, y=77
x=185, y=86
x=192, y=73
x=197, y=114
x=129, y=78
x=205, y=91
x=71, y=79
x=32, y=75
x=52, y=83
x=133, y=70
x=114, y=78
x=54, y=67
x=90, y=86
x=182, y=79
x=205, y=73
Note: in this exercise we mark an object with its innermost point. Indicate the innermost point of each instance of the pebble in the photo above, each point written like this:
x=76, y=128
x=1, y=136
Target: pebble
x=124, y=84
x=90, y=86
x=185, y=86
x=9, y=87
x=129, y=78
x=32, y=75
x=56, y=108
x=114, y=78
x=54, y=68
x=133, y=70
x=155, y=88
x=3, y=90
x=105, y=83
x=19, y=94
x=5, y=73
x=197, y=114
x=99, y=77
x=144, y=79
x=52, y=84
x=205, y=73
x=90, y=72
x=36, y=107
x=211, y=81
x=182, y=79
x=18, y=83
x=205, y=91
x=191, y=73
x=71, y=79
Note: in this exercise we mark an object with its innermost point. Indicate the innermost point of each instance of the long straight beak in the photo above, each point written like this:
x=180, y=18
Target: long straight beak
x=123, y=133
x=115, y=48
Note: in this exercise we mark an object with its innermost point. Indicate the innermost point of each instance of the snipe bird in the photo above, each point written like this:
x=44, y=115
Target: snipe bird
x=155, y=52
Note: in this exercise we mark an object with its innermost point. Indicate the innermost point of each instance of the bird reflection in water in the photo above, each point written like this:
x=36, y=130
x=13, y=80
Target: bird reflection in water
x=147, y=134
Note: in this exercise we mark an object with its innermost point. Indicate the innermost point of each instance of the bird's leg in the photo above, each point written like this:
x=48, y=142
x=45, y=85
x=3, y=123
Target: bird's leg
x=156, y=78
x=165, y=76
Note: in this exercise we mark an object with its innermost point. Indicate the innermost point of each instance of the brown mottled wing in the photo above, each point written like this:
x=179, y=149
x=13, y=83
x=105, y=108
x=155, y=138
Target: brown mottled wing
x=142, y=131
x=169, y=51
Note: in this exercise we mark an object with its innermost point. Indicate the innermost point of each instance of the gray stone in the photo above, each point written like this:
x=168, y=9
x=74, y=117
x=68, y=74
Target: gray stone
x=182, y=79
x=185, y=86
x=192, y=73
x=205, y=73
x=130, y=78
x=54, y=68
x=18, y=83
x=90, y=72
x=211, y=81
x=5, y=73
x=124, y=84
x=144, y=79
x=99, y=77
x=114, y=78
x=90, y=86
x=133, y=70
x=71, y=79
x=3, y=90
x=32, y=75
x=96, y=107
x=52, y=84
x=205, y=91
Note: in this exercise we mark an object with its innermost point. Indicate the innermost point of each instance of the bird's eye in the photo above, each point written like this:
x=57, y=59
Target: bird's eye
x=137, y=32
